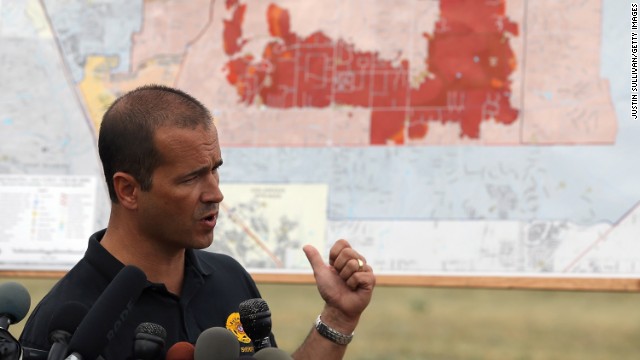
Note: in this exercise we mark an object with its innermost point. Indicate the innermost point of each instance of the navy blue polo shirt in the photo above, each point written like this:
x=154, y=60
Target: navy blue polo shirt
x=214, y=285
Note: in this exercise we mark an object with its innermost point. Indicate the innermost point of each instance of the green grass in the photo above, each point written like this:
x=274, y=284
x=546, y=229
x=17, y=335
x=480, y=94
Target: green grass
x=430, y=323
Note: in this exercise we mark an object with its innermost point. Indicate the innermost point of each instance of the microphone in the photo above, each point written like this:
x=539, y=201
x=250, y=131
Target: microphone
x=15, y=302
x=62, y=325
x=256, y=322
x=181, y=351
x=272, y=353
x=149, y=341
x=107, y=315
x=217, y=343
x=33, y=354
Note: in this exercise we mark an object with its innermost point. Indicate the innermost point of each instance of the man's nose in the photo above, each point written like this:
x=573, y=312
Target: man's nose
x=212, y=193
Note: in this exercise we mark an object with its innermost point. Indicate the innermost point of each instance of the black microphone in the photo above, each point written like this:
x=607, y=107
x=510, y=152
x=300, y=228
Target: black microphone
x=33, y=354
x=15, y=302
x=107, y=315
x=10, y=348
x=216, y=343
x=256, y=322
x=62, y=325
x=272, y=353
x=149, y=341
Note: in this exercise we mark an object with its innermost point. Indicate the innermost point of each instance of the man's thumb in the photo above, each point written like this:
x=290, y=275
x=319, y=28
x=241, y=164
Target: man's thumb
x=314, y=257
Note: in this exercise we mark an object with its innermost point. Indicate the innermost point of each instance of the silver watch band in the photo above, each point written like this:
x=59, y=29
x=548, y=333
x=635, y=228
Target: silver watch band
x=331, y=333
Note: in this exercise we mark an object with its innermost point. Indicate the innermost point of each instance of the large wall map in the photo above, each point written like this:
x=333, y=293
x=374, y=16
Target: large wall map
x=440, y=137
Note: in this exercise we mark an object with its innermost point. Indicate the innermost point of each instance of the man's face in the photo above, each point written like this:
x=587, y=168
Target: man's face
x=181, y=208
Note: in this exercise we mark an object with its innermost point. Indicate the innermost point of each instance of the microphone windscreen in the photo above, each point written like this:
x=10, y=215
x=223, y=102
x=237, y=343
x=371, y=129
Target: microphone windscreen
x=217, y=343
x=181, y=351
x=272, y=353
x=67, y=317
x=151, y=329
x=104, y=318
x=256, y=319
x=15, y=301
x=253, y=309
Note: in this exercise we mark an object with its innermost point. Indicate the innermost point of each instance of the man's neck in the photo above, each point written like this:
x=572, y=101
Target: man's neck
x=160, y=265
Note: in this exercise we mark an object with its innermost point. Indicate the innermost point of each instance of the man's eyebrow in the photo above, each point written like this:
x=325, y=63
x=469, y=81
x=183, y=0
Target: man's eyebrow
x=204, y=169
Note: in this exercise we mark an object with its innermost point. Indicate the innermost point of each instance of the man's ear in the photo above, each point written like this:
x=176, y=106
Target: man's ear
x=127, y=189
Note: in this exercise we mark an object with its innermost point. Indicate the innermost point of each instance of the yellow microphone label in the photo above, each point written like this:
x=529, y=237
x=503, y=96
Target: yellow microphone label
x=235, y=326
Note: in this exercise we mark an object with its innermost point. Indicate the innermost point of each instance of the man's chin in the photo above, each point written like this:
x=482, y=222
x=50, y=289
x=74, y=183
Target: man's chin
x=203, y=242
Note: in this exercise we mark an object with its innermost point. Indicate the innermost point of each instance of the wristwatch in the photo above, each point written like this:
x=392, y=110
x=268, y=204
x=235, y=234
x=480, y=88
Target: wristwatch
x=332, y=334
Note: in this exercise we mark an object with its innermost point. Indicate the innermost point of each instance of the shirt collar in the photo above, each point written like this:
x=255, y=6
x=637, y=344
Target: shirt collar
x=100, y=258
x=109, y=266
x=191, y=259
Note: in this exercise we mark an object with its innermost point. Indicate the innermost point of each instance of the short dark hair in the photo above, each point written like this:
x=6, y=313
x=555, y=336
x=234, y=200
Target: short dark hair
x=126, y=138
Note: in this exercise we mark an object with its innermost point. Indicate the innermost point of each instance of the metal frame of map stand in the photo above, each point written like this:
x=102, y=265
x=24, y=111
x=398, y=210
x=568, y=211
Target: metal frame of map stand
x=452, y=281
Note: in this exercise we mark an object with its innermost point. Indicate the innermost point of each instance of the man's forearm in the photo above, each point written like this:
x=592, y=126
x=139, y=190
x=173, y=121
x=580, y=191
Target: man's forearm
x=315, y=346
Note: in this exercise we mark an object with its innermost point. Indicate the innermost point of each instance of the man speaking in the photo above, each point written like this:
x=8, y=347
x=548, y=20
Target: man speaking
x=160, y=154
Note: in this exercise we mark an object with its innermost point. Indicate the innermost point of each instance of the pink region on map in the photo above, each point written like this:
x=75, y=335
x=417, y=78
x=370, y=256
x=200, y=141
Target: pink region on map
x=155, y=41
x=469, y=63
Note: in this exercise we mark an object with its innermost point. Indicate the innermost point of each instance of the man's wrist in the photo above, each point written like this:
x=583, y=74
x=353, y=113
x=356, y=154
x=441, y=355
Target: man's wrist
x=332, y=334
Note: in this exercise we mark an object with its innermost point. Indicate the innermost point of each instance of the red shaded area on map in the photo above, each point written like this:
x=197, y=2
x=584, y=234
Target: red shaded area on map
x=469, y=63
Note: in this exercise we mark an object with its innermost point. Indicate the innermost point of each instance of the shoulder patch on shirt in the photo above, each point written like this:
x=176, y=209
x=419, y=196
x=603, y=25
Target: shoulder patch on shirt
x=235, y=326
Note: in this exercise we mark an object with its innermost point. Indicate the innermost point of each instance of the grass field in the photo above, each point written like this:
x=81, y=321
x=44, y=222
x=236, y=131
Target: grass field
x=429, y=323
